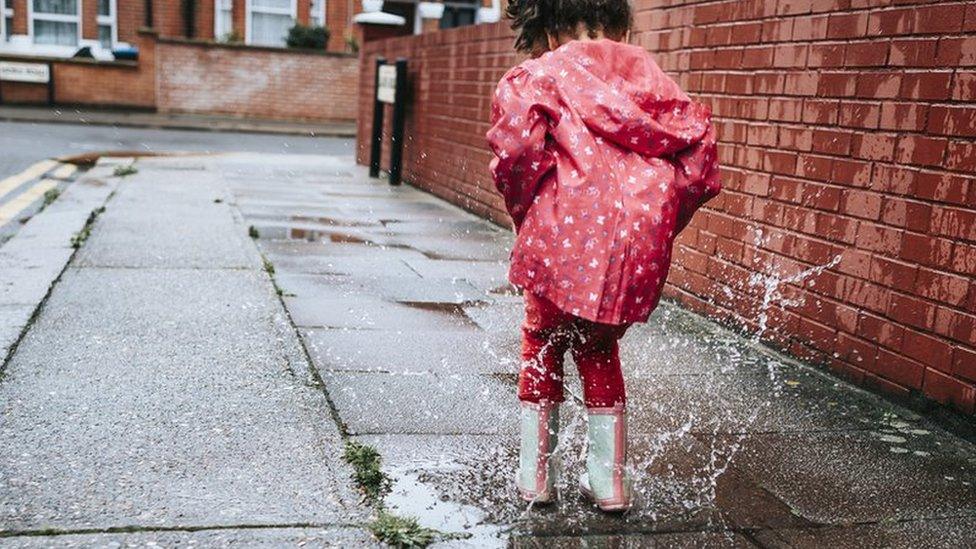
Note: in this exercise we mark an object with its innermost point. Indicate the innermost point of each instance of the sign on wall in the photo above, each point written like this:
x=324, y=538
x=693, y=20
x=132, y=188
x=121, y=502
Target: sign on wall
x=386, y=84
x=39, y=73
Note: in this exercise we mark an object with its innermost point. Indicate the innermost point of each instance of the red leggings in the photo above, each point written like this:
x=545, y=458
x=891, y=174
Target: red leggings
x=547, y=334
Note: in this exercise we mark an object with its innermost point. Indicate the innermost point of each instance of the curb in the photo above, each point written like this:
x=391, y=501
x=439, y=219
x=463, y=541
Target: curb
x=202, y=127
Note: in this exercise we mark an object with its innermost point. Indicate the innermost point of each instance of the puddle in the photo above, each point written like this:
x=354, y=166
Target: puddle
x=465, y=524
x=455, y=310
x=330, y=221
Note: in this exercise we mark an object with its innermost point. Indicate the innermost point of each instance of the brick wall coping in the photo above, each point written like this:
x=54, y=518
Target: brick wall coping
x=249, y=47
x=71, y=60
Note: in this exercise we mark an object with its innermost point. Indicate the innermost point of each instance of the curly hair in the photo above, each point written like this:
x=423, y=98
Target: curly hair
x=533, y=20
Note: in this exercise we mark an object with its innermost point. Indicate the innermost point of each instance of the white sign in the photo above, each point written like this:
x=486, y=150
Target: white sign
x=38, y=73
x=386, y=84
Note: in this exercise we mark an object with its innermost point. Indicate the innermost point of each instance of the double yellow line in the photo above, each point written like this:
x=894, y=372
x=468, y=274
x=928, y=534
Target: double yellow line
x=21, y=201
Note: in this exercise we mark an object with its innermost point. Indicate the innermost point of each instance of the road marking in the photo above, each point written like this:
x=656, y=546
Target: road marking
x=65, y=171
x=32, y=172
x=20, y=202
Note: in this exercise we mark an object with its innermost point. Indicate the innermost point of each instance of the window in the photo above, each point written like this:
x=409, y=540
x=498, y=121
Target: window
x=56, y=22
x=458, y=14
x=269, y=21
x=224, y=21
x=6, y=20
x=107, y=33
x=317, y=13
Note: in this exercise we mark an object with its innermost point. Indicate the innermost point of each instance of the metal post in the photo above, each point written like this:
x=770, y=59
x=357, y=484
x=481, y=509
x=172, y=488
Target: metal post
x=376, y=142
x=149, y=14
x=50, y=84
x=399, y=106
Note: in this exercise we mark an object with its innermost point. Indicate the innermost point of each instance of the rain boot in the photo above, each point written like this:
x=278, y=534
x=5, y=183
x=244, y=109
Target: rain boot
x=537, y=471
x=606, y=481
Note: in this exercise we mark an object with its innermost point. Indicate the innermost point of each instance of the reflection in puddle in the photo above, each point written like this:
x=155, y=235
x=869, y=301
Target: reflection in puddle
x=465, y=523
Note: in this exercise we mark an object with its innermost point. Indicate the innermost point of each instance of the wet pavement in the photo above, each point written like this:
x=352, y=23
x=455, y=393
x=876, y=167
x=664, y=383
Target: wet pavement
x=164, y=387
x=403, y=305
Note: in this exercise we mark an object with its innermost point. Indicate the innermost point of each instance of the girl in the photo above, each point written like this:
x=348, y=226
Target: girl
x=602, y=160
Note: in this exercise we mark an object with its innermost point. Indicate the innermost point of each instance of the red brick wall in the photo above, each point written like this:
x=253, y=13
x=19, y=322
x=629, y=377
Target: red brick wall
x=256, y=82
x=84, y=82
x=847, y=133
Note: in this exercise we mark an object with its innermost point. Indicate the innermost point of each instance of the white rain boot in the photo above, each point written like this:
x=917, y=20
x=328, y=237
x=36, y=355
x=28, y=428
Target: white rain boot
x=606, y=481
x=537, y=471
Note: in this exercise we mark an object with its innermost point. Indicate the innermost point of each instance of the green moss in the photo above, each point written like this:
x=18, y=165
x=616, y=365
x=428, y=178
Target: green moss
x=81, y=236
x=51, y=195
x=123, y=170
x=366, y=461
x=401, y=531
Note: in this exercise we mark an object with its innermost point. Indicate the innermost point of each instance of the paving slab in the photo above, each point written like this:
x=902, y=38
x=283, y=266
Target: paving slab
x=949, y=533
x=404, y=403
x=413, y=352
x=847, y=478
x=171, y=406
x=158, y=221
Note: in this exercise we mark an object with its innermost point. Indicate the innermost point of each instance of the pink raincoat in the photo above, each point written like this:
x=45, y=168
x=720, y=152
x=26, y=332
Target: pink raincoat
x=602, y=160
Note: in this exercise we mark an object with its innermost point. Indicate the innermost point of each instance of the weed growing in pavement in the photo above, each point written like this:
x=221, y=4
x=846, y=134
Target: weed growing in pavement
x=252, y=232
x=81, y=236
x=268, y=267
x=124, y=170
x=365, y=461
x=218, y=201
x=401, y=531
x=50, y=196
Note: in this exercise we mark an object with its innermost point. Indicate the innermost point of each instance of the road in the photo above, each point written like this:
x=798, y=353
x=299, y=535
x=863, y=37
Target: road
x=22, y=144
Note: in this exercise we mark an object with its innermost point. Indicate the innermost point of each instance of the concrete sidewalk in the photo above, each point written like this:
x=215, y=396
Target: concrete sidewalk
x=148, y=119
x=164, y=392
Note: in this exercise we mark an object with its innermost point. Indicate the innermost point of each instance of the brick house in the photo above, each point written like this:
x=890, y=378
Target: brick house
x=59, y=27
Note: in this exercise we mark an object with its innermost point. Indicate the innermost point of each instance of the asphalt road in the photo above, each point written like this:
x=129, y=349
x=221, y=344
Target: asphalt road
x=23, y=144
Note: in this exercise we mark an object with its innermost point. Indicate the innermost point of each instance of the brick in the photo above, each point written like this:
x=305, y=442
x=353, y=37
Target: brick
x=913, y=52
x=874, y=146
x=903, y=116
x=879, y=85
x=825, y=54
x=899, y=369
x=870, y=53
x=928, y=350
x=964, y=86
x=964, y=363
x=893, y=179
x=939, y=19
x=890, y=22
x=847, y=25
x=863, y=204
x=943, y=187
x=910, y=310
x=859, y=114
x=923, y=151
x=851, y=172
x=945, y=288
x=948, y=390
x=952, y=120
x=926, y=85
x=953, y=52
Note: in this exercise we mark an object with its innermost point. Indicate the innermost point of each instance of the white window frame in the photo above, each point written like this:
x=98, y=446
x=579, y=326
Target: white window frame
x=249, y=10
x=324, y=14
x=5, y=12
x=56, y=17
x=219, y=32
x=112, y=20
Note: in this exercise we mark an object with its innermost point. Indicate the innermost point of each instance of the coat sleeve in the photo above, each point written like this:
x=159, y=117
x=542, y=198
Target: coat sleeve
x=519, y=129
x=696, y=175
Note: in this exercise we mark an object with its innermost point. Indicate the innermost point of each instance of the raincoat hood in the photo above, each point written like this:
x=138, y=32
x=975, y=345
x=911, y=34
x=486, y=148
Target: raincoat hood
x=601, y=160
x=629, y=95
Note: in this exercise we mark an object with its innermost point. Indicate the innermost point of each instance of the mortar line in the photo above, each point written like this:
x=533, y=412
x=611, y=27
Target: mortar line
x=136, y=529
